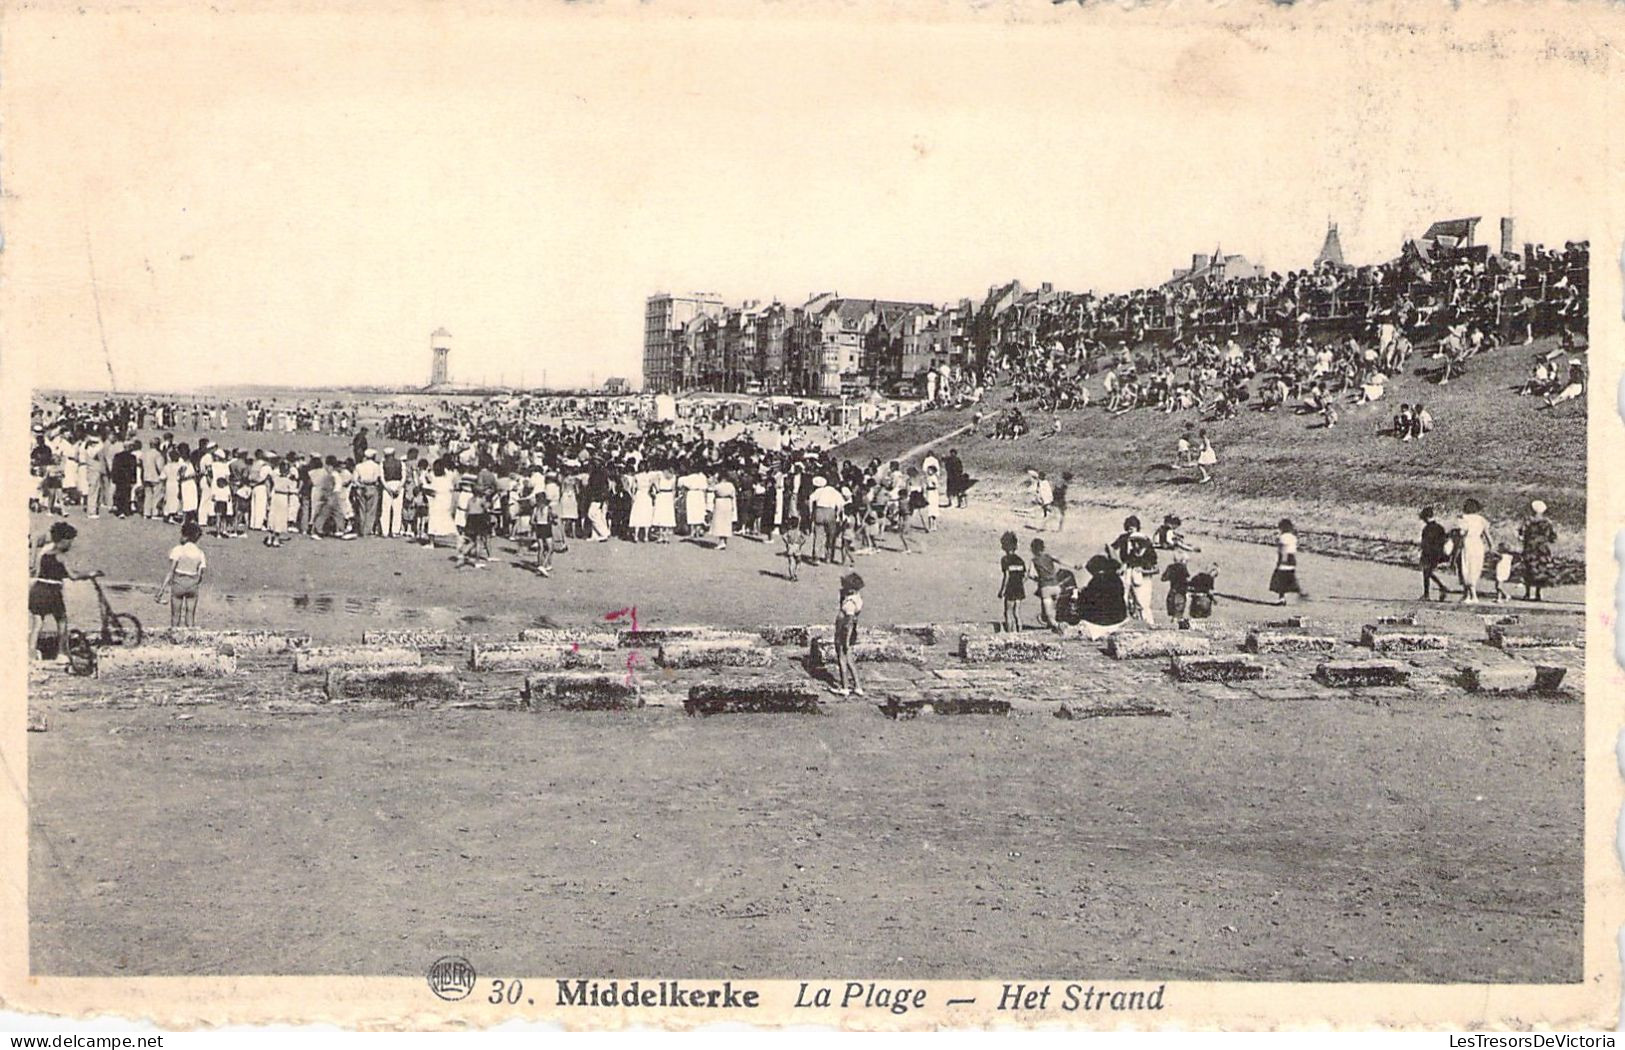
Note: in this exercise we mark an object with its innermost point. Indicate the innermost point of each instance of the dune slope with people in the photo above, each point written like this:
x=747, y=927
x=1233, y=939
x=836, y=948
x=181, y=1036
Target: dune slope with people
x=1353, y=488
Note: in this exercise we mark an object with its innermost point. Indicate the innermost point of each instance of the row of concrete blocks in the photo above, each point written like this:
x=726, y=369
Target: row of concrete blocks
x=569, y=691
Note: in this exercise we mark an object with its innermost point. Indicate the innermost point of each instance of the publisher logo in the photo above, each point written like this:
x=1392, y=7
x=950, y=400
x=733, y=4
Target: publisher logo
x=451, y=978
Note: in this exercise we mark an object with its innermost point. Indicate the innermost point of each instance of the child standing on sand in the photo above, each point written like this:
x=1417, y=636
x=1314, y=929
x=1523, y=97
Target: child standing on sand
x=541, y=524
x=1178, y=578
x=1012, y=583
x=185, y=577
x=795, y=545
x=846, y=635
x=1503, y=572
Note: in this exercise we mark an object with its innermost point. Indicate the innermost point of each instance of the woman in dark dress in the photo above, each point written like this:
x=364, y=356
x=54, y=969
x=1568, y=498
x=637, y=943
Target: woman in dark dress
x=1102, y=604
x=1538, y=565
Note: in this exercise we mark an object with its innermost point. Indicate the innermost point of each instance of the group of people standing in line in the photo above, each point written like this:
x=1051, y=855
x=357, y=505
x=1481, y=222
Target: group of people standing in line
x=1469, y=546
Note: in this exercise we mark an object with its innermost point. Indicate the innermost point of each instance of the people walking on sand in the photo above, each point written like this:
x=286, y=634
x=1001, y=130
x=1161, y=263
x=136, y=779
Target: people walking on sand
x=1284, y=580
x=1435, y=552
x=846, y=635
x=184, y=579
x=1476, y=542
x=1012, y=582
x=1538, y=535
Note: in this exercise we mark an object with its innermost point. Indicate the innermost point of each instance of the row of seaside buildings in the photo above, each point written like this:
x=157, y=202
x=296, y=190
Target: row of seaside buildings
x=831, y=345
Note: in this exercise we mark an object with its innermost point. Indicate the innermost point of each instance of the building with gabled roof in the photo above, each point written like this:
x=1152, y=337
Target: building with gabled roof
x=1450, y=233
x=1215, y=267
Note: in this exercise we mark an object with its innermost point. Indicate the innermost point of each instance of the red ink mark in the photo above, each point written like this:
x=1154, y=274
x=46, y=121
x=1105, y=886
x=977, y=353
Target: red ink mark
x=630, y=613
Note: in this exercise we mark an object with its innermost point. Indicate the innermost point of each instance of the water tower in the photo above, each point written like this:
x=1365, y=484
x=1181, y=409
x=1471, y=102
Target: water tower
x=440, y=347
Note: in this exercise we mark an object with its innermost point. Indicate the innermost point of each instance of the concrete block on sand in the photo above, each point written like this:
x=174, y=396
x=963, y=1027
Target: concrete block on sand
x=582, y=637
x=750, y=651
x=1517, y=636
x=941, y=633
x=1137, y=645
x=1508, y=677
x=1383, y=638
x=1549, y=678
x=1230, y=667
x=310, y=661
x=870, y=647
x=1397, y=620
x=766, y=697
x=1289, y=623
x=576, y=691
x=797, y=634
x=650, y=637
x=408, y=638
x=401, y=684
x=164, y=661
x=944, y=705
x=1348, y=673
x=243, y=643
x=1009, y=648
x=1263, y=641
x=525, y=656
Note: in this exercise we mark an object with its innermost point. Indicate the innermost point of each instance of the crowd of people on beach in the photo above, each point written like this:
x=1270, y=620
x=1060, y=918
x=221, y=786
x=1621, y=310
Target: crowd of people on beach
x=1302, y=342
x=543, y=485
x=127, y=414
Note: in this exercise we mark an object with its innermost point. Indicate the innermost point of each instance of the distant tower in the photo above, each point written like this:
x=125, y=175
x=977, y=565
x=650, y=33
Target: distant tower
x=1332, y=250
x=440, y=346
x=1509, y=236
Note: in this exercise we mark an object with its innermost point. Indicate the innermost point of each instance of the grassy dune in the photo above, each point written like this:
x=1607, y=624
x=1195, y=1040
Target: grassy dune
x=1347, y=489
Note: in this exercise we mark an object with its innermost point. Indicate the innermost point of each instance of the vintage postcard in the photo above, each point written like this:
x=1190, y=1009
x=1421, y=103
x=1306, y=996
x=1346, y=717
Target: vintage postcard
x=904, y=516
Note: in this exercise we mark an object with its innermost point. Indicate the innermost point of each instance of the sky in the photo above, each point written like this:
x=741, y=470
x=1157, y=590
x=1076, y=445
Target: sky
x=301, y=198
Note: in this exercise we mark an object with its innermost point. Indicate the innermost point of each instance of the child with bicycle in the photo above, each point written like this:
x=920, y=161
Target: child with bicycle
x=45, y=599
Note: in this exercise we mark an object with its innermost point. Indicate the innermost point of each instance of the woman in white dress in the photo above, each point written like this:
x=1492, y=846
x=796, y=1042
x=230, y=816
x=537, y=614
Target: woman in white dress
x=259, y=502
x=642, y=514
x=1475, y=541
x=73, y=459
x=172, y=485
x=665, y=504
x=694, y=485
x=188, y=486
x=724, y=508
x=442, y=497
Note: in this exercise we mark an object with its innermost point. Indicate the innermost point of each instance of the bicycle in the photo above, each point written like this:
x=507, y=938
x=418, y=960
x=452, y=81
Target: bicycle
x=117, y=629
